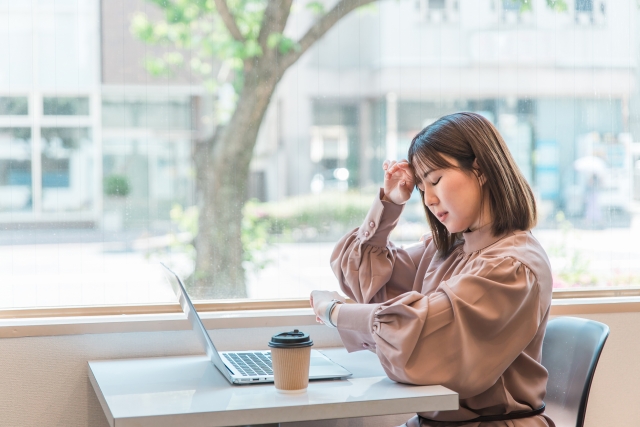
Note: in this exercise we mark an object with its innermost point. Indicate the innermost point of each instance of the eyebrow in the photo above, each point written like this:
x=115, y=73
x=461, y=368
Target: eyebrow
x=426, y=174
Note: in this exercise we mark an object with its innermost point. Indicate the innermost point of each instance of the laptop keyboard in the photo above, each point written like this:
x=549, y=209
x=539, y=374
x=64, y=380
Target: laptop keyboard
x=251, y=364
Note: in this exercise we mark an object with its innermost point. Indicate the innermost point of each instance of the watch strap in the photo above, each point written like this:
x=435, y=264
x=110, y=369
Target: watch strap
x=327, y=313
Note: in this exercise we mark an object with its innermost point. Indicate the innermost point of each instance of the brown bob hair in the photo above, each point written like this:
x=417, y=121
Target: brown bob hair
x=467, y=137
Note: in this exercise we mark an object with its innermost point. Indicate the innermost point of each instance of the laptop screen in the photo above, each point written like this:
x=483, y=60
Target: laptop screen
x=196, y=322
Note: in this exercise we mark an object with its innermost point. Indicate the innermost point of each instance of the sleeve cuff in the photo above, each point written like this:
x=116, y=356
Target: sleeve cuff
x=380, y=221
x=357, y=317
x=355, y=326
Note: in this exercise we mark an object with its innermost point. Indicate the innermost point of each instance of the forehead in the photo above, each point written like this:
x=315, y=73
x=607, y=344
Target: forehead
x=422, y=165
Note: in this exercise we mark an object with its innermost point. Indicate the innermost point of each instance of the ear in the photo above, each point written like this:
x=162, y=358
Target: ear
x=481, y=176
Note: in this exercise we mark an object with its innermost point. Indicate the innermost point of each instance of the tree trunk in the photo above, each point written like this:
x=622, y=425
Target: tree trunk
x=222, y=170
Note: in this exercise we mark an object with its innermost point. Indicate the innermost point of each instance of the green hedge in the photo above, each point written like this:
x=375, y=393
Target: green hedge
x=313, y=216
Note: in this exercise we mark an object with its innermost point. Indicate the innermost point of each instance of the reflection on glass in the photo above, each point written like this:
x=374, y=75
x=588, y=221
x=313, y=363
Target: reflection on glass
x=65, y=106
x=67, y=169
x=15, y=169
x=14, y=106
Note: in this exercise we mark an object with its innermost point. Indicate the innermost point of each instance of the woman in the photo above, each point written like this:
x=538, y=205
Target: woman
x=468, y=306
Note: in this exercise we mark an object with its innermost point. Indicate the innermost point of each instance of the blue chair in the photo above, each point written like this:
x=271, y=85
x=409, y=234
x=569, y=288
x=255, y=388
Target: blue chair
x=570, y=352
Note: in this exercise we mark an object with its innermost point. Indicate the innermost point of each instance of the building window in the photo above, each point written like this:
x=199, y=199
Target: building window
x=147, y=113
x=516, y=12
x=65, y=106
x=15, y=169
x=67, y=172
x=584, y=6
x=14, y=106
x=589, y=12
x=438, y=11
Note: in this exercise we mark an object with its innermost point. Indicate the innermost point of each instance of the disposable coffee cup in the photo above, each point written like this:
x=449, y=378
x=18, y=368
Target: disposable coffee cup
x=290, y=358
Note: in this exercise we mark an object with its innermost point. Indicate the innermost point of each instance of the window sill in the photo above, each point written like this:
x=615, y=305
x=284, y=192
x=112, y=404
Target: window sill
x=156, y=322
x=75, y=325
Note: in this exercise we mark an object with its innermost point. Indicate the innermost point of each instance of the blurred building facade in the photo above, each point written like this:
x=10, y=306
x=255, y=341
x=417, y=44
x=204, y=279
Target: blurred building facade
x=558, y=85
x=87, y=136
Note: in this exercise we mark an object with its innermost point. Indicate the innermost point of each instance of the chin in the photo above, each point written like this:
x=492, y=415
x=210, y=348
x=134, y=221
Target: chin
x=453, y=229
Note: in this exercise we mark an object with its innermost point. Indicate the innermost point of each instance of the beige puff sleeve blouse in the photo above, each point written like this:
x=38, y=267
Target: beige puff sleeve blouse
x=473, y=321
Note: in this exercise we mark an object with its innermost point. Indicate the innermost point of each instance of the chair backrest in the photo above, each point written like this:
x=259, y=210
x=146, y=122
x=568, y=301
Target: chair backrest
x=570, y=352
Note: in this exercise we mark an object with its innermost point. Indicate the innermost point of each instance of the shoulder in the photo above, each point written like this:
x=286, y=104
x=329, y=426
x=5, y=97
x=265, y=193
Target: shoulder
x=418, y=249
x=426, y=239
x=523, y=249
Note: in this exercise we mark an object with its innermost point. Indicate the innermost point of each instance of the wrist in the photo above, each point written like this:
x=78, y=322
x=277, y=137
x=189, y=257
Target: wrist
x=333, y=317
x=386, y=198
x=329, y=315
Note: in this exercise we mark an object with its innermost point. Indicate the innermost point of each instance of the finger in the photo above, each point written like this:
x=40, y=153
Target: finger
x=404, y=167
x=392, y=168
x=385, y=165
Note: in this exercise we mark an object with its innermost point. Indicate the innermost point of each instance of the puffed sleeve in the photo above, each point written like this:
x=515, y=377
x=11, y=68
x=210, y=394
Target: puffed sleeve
x=464, y=335
x=370, y=268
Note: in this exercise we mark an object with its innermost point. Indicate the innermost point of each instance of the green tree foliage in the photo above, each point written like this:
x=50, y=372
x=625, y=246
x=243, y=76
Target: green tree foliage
x=199, y=39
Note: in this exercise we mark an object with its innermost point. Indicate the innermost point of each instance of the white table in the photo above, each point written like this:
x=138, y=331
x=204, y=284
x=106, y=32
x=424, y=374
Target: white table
x=189, y=391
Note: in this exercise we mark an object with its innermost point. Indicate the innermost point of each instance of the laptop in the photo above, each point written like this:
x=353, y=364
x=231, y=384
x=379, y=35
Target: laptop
x=245, y=367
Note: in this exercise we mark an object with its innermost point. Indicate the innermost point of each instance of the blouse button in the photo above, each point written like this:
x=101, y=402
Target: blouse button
x=372, y=224
x=366, y=234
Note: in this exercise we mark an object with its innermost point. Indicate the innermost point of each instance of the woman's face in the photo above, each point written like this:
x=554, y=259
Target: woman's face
x=454, y=196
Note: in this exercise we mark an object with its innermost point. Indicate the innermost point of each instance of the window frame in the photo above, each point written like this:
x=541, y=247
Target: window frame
x=235, y=305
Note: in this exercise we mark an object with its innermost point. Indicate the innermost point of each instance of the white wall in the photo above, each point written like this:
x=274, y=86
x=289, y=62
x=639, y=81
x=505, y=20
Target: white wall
x=44, y=382
x=616, y=386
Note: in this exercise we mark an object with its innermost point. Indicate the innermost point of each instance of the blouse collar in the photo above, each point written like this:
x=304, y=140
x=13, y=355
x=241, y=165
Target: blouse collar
x=479, y=239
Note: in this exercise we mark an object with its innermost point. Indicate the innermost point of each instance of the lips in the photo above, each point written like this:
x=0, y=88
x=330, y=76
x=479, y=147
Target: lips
x=442, y=215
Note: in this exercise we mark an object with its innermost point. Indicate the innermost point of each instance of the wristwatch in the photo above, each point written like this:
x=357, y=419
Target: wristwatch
x=327, y=313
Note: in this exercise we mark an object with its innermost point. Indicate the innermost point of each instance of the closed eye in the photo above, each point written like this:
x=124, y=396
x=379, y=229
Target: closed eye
x=436, y=183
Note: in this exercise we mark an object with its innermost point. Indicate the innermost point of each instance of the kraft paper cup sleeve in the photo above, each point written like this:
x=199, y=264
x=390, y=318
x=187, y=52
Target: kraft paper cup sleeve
x=291, y=368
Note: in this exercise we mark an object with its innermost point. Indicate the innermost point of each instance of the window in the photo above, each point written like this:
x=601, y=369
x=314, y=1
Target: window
x=14, y=106
x=112, y=135
x=65, y=106
x=147, y=113
x=15, y=169
x=438, y=11
x=512, y=11
x=589, y=12
x=67, y=160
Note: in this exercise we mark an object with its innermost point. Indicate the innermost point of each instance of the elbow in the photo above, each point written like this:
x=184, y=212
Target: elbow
x=467, y=386
x=404, y=376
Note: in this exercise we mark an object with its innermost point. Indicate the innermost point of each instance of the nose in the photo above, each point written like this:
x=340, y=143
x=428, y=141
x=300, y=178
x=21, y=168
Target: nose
x=430, y=199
